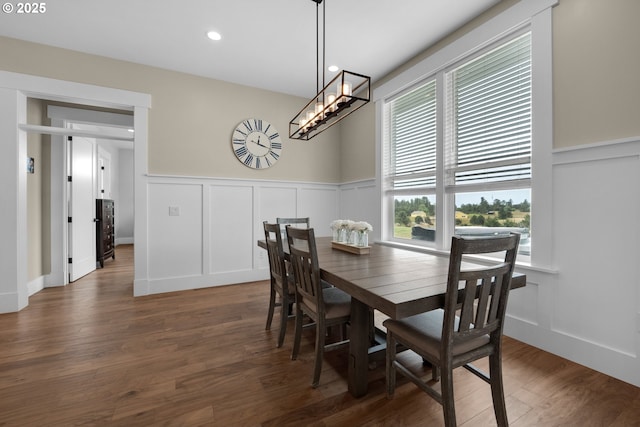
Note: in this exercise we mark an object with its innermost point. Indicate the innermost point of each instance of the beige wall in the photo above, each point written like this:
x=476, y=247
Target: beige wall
x=191, y=118
x=596, y=71
x=357, y=145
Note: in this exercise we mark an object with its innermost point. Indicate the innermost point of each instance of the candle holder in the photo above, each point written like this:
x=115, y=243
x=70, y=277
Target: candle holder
x=346, y=93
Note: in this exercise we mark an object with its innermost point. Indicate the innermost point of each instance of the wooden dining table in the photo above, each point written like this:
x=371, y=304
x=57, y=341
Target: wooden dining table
x=397, y=282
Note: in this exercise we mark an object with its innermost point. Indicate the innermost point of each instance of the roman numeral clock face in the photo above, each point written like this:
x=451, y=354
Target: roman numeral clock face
x=256, y=143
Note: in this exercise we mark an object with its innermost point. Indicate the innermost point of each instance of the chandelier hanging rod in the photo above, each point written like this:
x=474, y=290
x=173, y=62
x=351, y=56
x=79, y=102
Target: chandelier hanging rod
x=318, y=43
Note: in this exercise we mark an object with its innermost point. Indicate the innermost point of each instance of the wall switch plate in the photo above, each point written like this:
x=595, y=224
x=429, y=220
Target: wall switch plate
x=174, y=211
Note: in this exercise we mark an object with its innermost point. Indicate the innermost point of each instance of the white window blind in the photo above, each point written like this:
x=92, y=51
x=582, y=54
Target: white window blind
x=490, y=116
x=413, y=138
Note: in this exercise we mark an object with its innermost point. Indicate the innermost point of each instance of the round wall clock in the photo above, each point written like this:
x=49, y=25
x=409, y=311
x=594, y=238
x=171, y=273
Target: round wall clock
x=256, y=143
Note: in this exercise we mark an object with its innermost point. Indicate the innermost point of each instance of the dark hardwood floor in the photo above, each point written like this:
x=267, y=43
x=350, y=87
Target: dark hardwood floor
x=91, y=354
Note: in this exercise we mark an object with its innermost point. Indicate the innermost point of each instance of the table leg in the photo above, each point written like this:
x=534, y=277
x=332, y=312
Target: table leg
x=358, y=348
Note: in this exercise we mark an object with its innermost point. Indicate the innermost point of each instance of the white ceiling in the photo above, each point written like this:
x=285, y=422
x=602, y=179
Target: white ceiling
x=268, y=44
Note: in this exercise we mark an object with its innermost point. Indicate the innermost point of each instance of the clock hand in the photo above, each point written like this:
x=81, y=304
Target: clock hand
x=262, y=145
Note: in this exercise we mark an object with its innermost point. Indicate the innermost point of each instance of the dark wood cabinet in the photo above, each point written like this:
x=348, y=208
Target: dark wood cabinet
x=105, y=231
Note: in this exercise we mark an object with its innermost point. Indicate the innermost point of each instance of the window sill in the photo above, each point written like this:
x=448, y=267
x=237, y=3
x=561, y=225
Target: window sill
x=521, y=266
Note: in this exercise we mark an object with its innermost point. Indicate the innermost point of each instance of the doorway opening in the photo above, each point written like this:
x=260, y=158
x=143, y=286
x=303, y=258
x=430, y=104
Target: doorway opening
x=14, y=126
x=98, y=166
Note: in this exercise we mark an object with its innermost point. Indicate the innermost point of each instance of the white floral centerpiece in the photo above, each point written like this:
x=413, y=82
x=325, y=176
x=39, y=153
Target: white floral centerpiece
x=350, y=232
x=362, y=228
x=341, y=229
x=335, y=229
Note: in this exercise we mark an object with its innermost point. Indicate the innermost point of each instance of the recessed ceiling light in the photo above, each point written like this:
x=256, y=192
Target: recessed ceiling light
x=214, y=35
x=333, y=68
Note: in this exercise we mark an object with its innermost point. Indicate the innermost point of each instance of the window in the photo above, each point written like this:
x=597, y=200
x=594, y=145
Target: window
x=413, y=138
x=490, y=116
x=458, y=148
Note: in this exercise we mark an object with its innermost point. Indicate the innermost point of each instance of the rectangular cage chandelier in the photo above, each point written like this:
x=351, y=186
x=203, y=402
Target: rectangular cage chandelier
x=343, y=95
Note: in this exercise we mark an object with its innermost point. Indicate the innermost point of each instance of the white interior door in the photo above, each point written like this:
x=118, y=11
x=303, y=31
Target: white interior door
x=82, y=206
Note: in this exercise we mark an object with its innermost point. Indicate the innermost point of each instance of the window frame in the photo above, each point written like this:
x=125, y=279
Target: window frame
x=532, y=16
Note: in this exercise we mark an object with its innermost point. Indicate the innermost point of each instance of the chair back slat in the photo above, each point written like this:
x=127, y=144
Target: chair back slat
x=484, y=299
x=495, y=306
x=478, y=296
x=467, y=308
x=304, y=260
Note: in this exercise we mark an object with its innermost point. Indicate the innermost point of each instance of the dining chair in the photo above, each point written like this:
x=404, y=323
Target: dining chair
x=302, y=222
x=281, y=281
x=293, y=221
x=325, y=305
x=467, y=329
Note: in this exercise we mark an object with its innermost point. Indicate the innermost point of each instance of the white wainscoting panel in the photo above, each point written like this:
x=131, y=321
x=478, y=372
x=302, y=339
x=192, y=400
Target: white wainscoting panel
x=231, y=236
x=595, y=209
x=321, y=206
x=277, y=201
x=523, y=303
x=272, y=201
x=175, y=241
